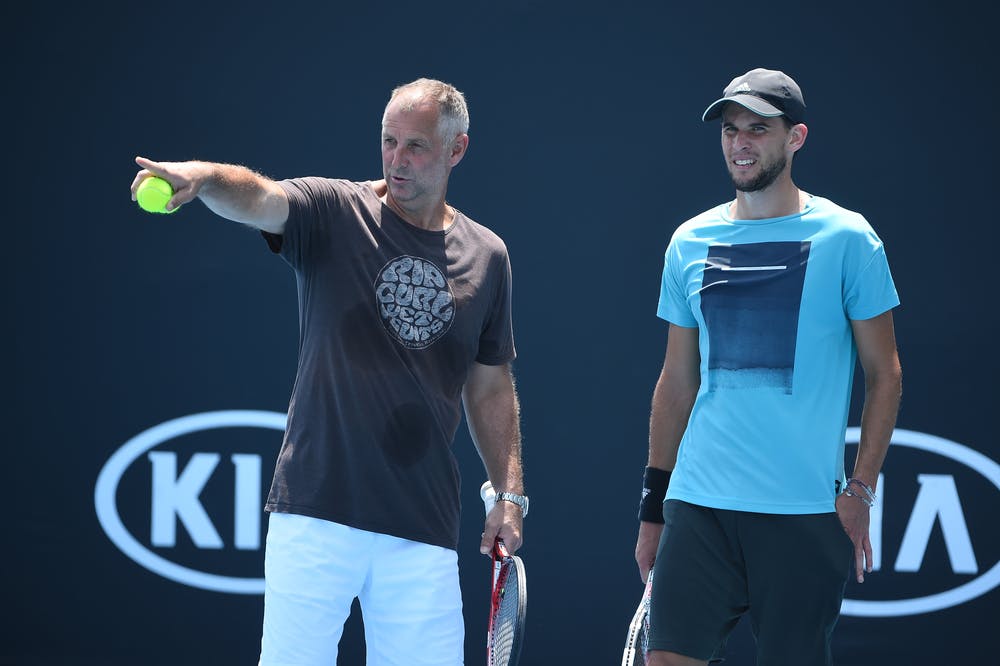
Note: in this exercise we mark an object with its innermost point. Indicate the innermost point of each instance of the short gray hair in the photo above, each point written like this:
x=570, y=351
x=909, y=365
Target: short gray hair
x=453, y=118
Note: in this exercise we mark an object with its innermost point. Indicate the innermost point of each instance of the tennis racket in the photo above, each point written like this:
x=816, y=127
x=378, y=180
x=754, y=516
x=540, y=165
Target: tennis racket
x=638, y=630
x=508, y=600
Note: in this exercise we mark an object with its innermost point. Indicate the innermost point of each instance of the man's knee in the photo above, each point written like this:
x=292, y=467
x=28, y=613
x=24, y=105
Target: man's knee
x=661, y=658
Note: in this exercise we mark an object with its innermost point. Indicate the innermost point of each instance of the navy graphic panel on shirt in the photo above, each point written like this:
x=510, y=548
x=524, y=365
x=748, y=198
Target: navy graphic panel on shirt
x=750, y=298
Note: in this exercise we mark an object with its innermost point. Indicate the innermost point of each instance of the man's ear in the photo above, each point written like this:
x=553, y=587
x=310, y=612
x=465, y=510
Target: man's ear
x=458, y=148
x=797, y=137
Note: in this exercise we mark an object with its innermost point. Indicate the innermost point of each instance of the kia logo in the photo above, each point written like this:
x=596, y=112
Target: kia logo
x=937, y=503
x=175, y=498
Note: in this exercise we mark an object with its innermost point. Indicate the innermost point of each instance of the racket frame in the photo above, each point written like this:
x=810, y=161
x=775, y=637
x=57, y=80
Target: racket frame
x=503, y=564
x=638, y=629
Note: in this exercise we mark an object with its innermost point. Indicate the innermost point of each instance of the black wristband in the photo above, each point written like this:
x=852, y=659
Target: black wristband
x=654, y=490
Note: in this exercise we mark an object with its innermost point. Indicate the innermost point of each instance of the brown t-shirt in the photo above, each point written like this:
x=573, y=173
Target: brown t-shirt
x=391, y=317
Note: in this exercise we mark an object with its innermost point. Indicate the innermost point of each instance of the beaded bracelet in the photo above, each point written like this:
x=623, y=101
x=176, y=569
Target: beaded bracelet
x=869, y=494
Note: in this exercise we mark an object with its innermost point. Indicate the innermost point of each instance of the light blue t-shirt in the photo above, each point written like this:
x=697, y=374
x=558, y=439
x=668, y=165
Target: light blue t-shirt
x=772, y=300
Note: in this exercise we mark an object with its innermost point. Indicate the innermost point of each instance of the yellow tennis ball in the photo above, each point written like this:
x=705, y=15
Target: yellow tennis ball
x=153, y=195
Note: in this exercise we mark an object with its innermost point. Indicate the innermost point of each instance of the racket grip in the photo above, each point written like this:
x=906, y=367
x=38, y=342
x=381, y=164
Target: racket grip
x=488, y=495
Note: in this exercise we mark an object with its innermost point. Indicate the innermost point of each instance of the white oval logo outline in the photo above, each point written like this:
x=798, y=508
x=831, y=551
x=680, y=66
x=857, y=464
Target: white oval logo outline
x=107, y=486
x=955, y=596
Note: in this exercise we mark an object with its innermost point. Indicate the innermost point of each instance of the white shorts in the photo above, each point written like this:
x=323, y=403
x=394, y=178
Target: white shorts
x=411, y=601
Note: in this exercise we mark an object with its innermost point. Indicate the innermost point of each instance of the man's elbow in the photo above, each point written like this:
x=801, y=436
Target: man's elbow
x=887, y=382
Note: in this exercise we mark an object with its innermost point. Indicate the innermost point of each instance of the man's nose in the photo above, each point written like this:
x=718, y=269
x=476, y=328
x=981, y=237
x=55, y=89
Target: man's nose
x=741, y=139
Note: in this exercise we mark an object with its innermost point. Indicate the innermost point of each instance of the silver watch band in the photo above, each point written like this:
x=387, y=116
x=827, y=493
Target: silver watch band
x=520, y=500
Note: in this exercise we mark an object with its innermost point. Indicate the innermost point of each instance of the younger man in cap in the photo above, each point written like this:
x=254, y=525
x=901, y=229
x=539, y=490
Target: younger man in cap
x=770, y=297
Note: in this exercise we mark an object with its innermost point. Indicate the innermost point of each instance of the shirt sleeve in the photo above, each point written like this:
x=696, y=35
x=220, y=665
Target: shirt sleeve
x=673, y=304
x=314, y=204
x=869, y=290
x=496, y=343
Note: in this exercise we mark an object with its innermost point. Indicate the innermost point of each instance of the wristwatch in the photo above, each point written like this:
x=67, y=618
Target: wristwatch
x=520, y=500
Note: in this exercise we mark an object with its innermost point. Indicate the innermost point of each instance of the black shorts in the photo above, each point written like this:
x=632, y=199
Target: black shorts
x=713, y=565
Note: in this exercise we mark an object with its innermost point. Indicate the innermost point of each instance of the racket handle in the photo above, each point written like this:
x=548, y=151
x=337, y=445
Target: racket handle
x=489, y=495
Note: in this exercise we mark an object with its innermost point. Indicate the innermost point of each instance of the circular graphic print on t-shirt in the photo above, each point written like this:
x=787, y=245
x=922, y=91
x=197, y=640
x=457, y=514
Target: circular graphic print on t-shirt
x=414, y=300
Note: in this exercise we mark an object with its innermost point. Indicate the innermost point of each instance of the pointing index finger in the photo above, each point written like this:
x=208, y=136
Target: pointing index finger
x=149, y=165
x=149, y=168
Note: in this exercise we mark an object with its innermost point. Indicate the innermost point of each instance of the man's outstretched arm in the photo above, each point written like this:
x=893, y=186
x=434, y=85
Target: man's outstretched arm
x=230, y=191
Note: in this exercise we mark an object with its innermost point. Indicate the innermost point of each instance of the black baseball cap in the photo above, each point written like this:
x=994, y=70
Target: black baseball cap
x=766, y=92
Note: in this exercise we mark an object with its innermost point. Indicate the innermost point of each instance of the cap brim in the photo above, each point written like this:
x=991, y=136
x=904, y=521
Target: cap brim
x=755, y=104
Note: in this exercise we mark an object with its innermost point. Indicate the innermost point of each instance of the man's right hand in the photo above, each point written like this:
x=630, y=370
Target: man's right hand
x=645, y=547
x=187, y=178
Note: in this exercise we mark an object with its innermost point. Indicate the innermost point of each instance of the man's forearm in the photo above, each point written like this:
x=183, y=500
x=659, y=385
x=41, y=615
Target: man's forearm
x=495, y=427
x=493, y=414
x=239, y=194
x=876, y=342
x=667, y=422
x=674, y=396
x=878, y=418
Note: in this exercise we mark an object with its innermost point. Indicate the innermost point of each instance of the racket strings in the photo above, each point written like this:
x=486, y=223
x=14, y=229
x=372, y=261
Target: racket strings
x=642, y=641
x=637, y=640
x=642, y=649
x=636, y=644
x=506, y=618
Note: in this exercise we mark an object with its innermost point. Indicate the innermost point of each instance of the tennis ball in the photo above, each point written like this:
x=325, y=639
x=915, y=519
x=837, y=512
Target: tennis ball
x=153, y=195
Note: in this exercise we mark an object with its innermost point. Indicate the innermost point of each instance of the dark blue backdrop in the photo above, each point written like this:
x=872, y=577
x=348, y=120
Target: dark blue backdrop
x=586, y=152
